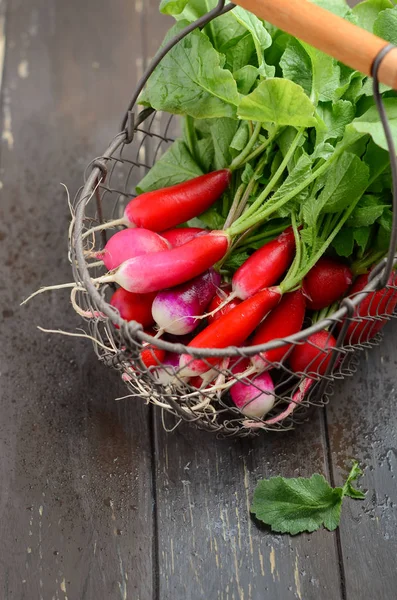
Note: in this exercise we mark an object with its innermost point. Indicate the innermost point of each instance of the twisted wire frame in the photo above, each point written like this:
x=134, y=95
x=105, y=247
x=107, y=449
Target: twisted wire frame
x=109, y=183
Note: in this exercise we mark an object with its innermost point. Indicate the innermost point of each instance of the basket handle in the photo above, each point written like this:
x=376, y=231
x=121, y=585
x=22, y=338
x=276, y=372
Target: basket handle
x=320, y=28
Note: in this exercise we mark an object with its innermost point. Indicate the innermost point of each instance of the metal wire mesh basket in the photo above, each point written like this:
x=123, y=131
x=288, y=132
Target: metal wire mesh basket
x=109, y=184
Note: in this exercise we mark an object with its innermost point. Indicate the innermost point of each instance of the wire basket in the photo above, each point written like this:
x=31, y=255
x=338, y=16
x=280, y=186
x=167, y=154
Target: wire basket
x=110, y=182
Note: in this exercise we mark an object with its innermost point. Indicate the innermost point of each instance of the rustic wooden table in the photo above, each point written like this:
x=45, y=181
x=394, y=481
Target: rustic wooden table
x=96, y=501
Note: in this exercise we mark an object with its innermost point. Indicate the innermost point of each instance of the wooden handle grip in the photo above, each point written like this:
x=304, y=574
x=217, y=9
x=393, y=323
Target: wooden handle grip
x=346, y=42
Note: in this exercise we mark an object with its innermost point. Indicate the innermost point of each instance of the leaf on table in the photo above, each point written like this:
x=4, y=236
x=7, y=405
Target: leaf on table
x=298, y=504
x=369, y=122
x=278, y=101
x=174, y=166
x=367, y=12
x=336, y=116
x=190, y=80
x=348, y=489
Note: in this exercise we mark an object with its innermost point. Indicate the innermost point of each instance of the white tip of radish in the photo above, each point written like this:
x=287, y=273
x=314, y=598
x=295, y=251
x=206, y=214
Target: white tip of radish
x=254, y=396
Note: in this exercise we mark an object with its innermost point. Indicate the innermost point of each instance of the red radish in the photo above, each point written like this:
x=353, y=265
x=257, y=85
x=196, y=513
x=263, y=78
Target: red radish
x=129, y=243
x=376, y=304
x=265, y=266
x=231, y=329
x=162, y=209
x=219, y=299
x=284, y=320
x=181, y=235
x=176, y=310
x=326, y=282
x=161, y=270
x=151, y=355
x=253, y=395
x=314, y=355
x=134, y=307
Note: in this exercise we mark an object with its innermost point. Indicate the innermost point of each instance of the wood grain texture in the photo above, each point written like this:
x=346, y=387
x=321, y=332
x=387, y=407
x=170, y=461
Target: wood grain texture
x=362, y=425
x=75, y=468
x=208, y=546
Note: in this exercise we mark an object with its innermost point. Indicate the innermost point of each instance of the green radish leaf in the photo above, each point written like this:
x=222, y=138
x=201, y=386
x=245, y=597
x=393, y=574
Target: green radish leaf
x=278, y=101
x=239, y=53
x=369, y=122
x=205, y=153
x=348, y=489
x=172, y=7
x=377, y=160
x=296, y=65
x=247, y=174
x=241, y=137
x=347, y=180
x=299, y=504
x=338, y=7
x=176, y=165
x=335, y=116
x=367, y=211
x=222, y=134
x=325, y=75
x=344, y=242
x=262, y=39
x=298, y=174
x=386, y=220
x=245, y=78
x=367, y=12
x=361, y=236
x=190, y=80
x=385, y=25
x=322, y=150
x=212, y=218
x=235, y=260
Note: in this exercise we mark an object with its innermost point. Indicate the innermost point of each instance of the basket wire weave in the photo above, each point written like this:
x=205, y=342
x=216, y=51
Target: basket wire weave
x=110, y=182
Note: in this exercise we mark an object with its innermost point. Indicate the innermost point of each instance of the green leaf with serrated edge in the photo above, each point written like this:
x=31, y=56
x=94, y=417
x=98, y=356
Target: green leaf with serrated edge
x=367, y=12
x=247, y=174
x=235, y=260
x=190, y=80
x=370, y=123
x=323, y=150
x=298, y=504
x=347, y=180
x=212, y=218
x=367, y=211
x=298, y=174
x=278, y=101
x=377, y=160
x=347, y=489
x=335, y=116
x=385, y=25
x=176, y=165
x=344, y=242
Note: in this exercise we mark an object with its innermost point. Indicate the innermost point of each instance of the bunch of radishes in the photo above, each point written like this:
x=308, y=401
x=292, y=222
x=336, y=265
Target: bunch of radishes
x=170, y=282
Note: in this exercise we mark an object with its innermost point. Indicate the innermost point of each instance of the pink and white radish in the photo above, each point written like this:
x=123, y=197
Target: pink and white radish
x=129, y=243
x=176, y=310
x=253, y=395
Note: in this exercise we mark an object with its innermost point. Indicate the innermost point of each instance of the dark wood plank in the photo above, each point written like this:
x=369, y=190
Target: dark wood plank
x=362, y=425
x=208, y=545
x=76, y=494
